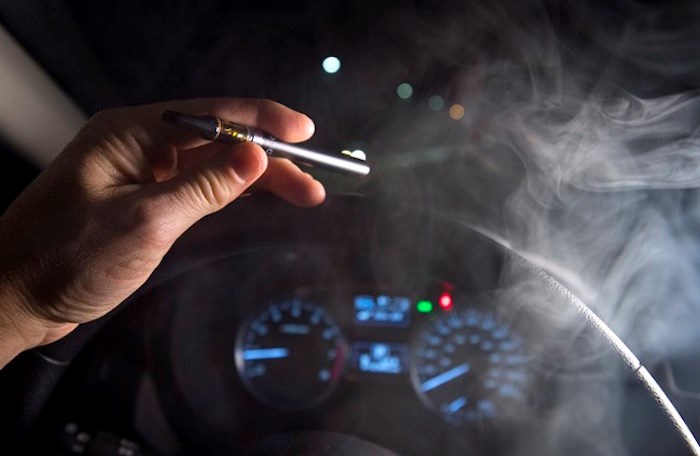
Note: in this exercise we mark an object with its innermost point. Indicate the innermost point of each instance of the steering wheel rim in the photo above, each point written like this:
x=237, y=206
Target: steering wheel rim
x=34, y=374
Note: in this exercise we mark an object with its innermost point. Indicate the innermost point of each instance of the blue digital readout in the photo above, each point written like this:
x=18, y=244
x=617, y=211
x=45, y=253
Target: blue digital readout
x=379, y=357
x=382, y=310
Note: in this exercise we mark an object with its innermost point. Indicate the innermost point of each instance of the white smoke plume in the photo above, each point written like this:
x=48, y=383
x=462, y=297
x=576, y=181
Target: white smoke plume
x=580, y=146
x=581, y=150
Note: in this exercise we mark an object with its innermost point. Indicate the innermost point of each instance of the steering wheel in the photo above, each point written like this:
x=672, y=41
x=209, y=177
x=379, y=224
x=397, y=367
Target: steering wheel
x=457, y=254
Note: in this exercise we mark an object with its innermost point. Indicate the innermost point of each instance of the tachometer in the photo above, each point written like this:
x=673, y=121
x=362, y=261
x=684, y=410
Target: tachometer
x=467, y=365
x=291, y=355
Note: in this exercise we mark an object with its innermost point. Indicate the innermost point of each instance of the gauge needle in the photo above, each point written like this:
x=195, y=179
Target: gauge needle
x=445, y=377
x=457, y=404
x=265, y=353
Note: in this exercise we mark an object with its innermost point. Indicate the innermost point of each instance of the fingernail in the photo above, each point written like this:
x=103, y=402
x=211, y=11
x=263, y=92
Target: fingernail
x=311, y=127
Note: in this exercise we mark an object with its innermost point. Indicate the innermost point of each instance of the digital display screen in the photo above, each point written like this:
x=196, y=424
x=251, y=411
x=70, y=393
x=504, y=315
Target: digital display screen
x=379, y=357
x=382, y=310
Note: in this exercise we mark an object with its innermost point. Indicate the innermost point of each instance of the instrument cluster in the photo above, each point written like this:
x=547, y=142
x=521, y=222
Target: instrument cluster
x=464, y=362
x=288, y=340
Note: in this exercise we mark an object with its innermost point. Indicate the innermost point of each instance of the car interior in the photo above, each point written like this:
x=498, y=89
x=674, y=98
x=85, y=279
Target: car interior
x=519, y=274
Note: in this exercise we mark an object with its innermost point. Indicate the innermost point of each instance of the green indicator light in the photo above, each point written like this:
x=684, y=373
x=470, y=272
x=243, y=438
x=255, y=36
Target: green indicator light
x=424, y=307
x=404, y=91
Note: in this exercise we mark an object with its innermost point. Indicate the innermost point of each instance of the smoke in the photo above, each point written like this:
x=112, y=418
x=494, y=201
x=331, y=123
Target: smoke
x=610, y=142
x=581, y=149
x=580, y=145
x=609, y=185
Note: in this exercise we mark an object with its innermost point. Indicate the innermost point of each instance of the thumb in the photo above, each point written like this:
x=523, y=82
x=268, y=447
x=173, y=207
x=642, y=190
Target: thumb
x=211, y=184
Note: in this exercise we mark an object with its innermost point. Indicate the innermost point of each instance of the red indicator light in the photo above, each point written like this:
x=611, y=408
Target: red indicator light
x=445, y=301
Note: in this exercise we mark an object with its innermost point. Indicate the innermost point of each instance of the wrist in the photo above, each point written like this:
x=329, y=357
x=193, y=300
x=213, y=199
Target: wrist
x=16, y=331
x=20, y=329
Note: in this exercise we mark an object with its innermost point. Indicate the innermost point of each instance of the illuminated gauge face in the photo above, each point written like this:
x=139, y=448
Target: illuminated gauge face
x=291, y=355
x=468, y=366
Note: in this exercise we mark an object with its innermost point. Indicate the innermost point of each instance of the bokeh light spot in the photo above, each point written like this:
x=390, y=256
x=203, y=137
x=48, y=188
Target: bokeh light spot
x=456, y=111
x=331, y=64
x=404, y=90
x=436, y=103
x=357, y=153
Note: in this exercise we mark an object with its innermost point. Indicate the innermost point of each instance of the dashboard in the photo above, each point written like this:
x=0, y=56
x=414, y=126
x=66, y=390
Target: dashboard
x=310, y=335
x=438, y=343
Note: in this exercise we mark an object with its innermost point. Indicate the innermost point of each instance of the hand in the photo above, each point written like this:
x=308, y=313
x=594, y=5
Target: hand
x=95, y=224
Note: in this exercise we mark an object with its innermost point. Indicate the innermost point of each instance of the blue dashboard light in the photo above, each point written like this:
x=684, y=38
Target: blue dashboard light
x=290, y=355
x=468, y=365
x=457, y=404
x=379, y=357
x=445, y=377
x=295, y=328
x=265, y=353
x=364, y=303
x=382, y=310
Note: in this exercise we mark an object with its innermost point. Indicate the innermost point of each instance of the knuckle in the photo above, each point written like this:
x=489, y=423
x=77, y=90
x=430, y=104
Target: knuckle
x=97, y=129
x=217, y=189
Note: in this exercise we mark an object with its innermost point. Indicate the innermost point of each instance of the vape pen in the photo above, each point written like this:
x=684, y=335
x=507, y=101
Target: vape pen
x=215, y=129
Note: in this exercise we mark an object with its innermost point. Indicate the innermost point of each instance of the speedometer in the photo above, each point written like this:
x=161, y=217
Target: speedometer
x=291, y=355
x=467, y=365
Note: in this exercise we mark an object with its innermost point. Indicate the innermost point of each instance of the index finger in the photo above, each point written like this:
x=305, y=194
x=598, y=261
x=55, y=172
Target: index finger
x=144, y=124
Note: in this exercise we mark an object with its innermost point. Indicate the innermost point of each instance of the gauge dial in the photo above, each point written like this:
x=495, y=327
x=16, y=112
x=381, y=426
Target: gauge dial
x=291, y=355
x=469, y=366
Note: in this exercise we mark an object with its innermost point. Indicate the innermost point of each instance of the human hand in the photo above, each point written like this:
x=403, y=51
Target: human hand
x=95, y=224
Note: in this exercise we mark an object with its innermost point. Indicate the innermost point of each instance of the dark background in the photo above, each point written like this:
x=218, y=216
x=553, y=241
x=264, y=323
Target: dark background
x=492, y=54
x=638, y=248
